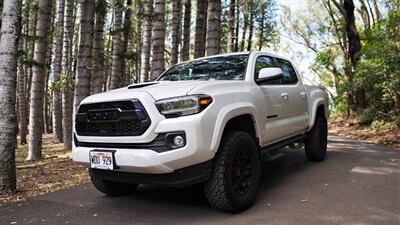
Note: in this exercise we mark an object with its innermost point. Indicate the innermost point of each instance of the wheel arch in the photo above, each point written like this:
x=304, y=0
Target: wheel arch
x=319, y=109
x=242, y=118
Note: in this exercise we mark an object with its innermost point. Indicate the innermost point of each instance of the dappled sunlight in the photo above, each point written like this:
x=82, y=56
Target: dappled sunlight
x=375, y=170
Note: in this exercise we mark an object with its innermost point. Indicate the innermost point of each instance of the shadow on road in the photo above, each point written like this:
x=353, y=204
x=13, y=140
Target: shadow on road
x=356, y=184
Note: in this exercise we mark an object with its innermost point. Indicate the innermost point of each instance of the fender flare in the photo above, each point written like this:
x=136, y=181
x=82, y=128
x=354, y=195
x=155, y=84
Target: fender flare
x=229, y=112
x=317, y=103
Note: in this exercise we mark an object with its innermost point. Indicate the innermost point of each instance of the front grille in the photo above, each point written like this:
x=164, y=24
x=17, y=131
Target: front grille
x=122, y=118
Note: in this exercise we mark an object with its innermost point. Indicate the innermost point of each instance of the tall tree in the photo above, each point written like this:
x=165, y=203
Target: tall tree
x=22, y=106
x=231, y=26
x=266, y=20
x=213, y=27
x=237, y=26
x=67, y=68
x=43, y=26
x=200, y=30
x=186, y=31
x=127, y=35
x=251, y=24
x=145, y=56
x=57, y=97
x=157, y=64
x=84, y=60
x=356, y=97
x=117, y=59
x=98, y=47
x=245, y=25
x=138, y=39
x=10, y=28
x=176, y=24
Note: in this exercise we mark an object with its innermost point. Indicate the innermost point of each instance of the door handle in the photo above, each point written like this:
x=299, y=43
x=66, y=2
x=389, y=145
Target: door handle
x=303, y=94
x=285, y=96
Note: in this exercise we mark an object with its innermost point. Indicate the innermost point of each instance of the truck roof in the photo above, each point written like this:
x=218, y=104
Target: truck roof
x=239, y=53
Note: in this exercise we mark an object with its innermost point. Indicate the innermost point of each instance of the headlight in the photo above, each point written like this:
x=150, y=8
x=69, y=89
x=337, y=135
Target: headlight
x=183, y=106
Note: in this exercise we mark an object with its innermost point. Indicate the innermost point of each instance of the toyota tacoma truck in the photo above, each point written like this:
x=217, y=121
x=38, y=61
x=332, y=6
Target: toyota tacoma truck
x=208, y=121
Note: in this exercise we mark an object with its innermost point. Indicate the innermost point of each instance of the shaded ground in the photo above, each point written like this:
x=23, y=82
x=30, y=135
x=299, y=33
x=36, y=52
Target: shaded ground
x=386, y=135
x=359, y=183
x=56, y=171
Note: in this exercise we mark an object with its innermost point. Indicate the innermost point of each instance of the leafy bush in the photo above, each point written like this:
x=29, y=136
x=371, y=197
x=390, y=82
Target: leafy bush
x=379, y=124
x=366, y=117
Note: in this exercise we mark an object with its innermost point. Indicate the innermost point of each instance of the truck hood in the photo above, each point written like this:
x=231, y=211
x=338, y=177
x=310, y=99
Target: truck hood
x=157, y=90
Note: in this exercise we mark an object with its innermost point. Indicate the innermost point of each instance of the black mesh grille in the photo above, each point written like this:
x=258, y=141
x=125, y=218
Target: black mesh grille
x=122, y=118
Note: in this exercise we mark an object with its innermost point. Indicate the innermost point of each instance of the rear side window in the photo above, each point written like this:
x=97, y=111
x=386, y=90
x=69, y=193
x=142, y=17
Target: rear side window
x=289, y=74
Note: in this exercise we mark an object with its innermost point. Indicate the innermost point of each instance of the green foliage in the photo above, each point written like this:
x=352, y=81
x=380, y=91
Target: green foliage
x=378, y=70
x=379, y=124
x=366, y=117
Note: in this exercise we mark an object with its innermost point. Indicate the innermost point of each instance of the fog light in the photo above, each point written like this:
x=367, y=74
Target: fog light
x=179, y=141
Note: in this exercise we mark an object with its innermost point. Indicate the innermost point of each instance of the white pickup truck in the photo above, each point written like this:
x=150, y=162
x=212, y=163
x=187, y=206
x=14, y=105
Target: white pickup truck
x=210, y=120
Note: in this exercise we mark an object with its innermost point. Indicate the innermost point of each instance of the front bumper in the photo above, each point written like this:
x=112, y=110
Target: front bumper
x=148, y=161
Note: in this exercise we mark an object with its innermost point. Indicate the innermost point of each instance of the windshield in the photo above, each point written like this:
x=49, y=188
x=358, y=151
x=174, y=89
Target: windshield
x=231, y=67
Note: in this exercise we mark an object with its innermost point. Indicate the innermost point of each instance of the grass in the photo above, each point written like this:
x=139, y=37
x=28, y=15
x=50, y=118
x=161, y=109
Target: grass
x=54, y=172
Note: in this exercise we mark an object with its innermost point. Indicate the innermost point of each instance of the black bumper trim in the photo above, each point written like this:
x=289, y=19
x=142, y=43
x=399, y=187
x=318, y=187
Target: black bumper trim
x=179, y=178
x=161, y=143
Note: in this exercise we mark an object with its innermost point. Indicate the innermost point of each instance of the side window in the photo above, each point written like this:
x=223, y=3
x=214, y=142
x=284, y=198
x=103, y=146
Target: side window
x=289, y=74
x=265, y=62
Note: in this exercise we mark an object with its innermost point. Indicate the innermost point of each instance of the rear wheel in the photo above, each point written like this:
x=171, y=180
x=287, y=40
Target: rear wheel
x=317, y=139
x=236, y=174
x=110, y=187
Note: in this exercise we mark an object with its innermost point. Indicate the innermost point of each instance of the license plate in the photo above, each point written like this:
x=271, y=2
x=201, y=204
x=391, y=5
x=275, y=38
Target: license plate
x=101, y=160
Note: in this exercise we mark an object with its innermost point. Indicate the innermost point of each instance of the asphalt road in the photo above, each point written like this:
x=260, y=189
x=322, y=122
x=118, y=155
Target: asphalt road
x=359, y=183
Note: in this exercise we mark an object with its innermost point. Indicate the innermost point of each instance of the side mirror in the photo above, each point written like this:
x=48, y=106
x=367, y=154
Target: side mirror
x=269, y=74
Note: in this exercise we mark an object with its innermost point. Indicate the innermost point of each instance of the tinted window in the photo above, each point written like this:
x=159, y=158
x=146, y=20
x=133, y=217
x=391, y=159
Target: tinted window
x=289, y=74
x=218, y=68
x=263, y=62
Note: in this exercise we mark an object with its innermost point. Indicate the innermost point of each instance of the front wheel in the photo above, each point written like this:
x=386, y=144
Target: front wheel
x=236, y=174
x=110, y=187
x=317, y=139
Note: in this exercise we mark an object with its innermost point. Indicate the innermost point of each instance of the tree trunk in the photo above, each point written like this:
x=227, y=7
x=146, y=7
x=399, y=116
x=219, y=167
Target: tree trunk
x=127, y=33
x=354, y=45
x=46, y=102
x=67, y=68
x=139, y=40
x=245, y=25
x=10, y=28
x=57, y=97
x=84, y=63
x=43, y=27
x=175, y=37
x=98, y=48
x=251, y=11
x=200, y=30
x=186, y=31
x=213, y=27
x=145, y=56
x=157, y=64
x=231, y=26
x=23, y=122
x=237, y=26
x=117, y=59
x=261, y=34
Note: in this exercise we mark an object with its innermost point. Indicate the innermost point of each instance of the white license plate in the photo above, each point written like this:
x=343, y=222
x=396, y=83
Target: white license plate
x=101, y=160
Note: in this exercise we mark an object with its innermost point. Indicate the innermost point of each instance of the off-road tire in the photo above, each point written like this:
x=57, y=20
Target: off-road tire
x=316, y=141
x=222, y=190
x=111, y=188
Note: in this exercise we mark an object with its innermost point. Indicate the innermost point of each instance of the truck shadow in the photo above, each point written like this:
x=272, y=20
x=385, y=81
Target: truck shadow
x=192, y=198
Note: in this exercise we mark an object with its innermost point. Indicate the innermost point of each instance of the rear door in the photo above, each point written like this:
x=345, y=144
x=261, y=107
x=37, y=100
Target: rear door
x=297, y=102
